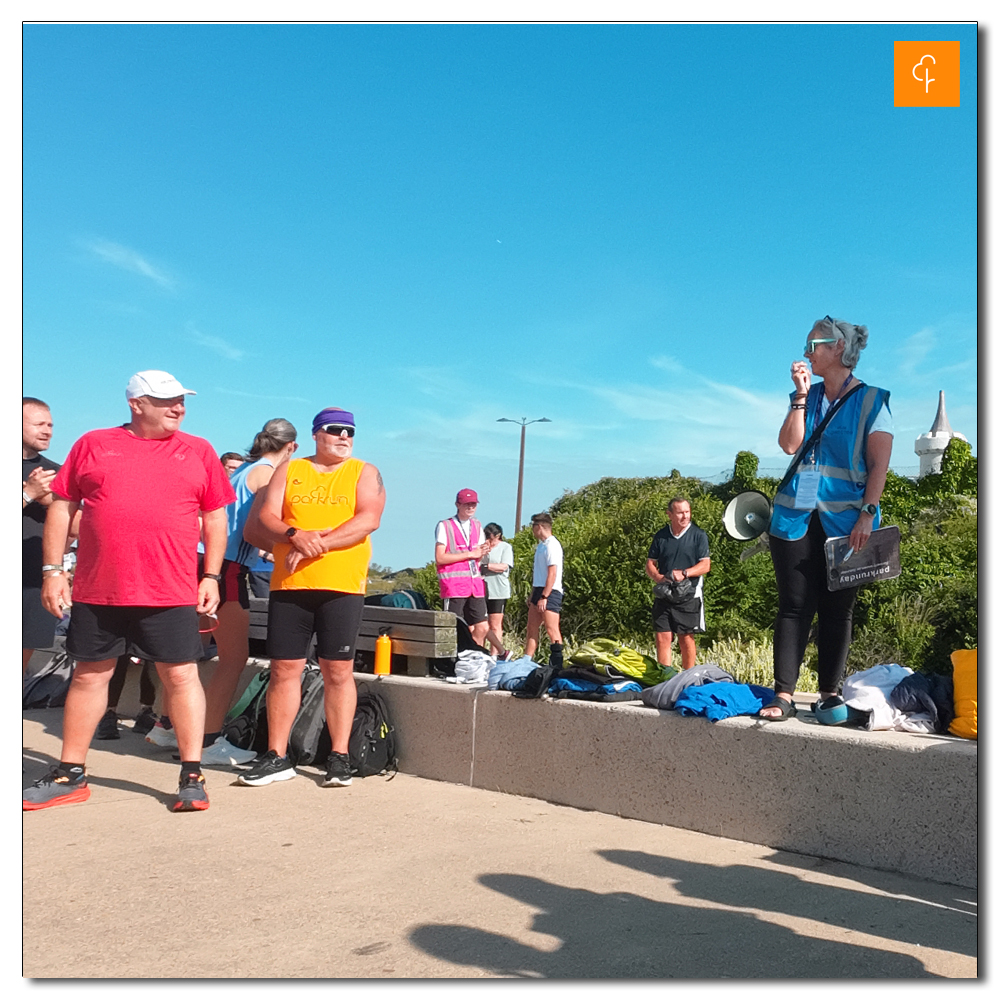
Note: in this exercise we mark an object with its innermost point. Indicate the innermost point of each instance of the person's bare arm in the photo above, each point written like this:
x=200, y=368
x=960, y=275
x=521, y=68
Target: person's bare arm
x=37, y=487
x=700, y=568
x=653, y=572
x=877, y=455
x=258, y=477
x=264, y=527
x=793, y=430
x=550, y=582
x=74, y=529
x=55, y=537
x=214, y=531
x=368, y=507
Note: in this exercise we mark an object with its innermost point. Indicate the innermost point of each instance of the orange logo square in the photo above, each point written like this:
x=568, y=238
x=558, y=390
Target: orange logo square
x=925, y=74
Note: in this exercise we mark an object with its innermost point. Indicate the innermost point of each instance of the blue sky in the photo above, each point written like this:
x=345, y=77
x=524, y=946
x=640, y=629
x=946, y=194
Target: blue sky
x=628, y=229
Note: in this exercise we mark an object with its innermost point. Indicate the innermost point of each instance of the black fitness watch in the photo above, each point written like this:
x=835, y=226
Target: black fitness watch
x=217, y=577
x=291, y=531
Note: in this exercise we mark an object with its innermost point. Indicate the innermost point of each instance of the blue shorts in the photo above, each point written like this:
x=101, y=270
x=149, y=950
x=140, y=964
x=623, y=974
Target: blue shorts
x=553, y=602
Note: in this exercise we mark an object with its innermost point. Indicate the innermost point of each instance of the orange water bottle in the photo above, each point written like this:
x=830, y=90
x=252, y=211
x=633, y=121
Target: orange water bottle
x=383, y=652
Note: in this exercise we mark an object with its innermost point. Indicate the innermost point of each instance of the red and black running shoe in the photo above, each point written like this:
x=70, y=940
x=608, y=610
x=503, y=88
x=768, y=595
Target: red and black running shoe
x=191, y=794
x=55, y=789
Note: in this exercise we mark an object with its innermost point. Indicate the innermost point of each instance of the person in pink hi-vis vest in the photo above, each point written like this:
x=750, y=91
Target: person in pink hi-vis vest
x=459, y=548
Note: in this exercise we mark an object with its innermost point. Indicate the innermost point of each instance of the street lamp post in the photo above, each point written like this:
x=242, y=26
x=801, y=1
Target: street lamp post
x=520, y=468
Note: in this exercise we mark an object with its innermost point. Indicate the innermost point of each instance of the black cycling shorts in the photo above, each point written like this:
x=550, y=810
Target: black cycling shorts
x=294, y=616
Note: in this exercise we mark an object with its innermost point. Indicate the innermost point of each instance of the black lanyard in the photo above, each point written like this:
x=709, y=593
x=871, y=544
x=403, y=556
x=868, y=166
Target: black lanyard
x=815, y=436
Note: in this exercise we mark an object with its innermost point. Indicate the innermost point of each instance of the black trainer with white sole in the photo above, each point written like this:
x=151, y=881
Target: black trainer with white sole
x=270, y=768
x=338, y=770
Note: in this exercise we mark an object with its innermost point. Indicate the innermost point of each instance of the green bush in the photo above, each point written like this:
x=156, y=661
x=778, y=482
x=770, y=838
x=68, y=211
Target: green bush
x=606, y=528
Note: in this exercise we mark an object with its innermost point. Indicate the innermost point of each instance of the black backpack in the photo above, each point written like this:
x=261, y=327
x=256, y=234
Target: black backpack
x=309, y=740
x=372, y=748
x=248, y=728
x=47, y=688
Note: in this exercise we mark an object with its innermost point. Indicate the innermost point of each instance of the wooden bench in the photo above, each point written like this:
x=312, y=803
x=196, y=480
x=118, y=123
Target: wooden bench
x=418, y=636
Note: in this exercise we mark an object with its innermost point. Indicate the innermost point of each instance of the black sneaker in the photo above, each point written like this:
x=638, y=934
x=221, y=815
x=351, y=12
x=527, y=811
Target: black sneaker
x=144, y=721
x=55, y=789
x=107, y=728
x=251, y=764
x=338, y=770
x=271, y=768
x=191, y=794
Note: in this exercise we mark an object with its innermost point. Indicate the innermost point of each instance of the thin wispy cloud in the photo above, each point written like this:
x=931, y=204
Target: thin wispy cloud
x=668, y=364
x=216, y=344
x=915, y=349
x=129, y=260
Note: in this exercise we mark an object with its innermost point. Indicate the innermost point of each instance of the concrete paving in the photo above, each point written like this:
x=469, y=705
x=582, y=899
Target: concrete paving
x=412, y=878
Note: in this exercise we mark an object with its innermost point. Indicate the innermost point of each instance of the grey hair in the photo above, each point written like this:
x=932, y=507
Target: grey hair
x=855, y=338
x=273, y=436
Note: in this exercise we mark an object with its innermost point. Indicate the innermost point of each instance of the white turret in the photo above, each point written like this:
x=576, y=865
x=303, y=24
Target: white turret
x=930, y=446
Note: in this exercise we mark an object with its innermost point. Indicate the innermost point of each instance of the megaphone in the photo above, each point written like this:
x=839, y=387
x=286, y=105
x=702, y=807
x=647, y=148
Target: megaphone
x=747, y=516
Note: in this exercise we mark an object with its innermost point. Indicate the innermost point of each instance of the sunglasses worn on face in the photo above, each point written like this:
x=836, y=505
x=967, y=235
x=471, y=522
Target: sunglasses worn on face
x=338, y=430
x=811, y=343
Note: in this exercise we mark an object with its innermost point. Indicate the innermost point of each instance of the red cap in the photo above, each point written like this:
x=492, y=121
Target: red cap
x=467, y=496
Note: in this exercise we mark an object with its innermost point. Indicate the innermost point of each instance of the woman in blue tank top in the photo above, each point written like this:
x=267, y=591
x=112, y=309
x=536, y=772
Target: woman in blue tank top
x=272, y=445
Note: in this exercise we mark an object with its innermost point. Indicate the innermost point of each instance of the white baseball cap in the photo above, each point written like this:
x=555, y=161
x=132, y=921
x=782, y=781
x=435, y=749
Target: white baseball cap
x=159, y=385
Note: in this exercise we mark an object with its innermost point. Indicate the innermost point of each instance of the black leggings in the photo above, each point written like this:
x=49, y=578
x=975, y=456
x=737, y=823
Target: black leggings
x=147, y=690
x=800, y=570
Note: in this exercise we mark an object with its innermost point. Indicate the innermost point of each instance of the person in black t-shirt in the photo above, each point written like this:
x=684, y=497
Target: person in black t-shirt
x=679, y=551
x=38, y=627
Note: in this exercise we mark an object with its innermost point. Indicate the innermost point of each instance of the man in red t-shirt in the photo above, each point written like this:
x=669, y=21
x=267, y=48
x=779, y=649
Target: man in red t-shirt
x=136, y=588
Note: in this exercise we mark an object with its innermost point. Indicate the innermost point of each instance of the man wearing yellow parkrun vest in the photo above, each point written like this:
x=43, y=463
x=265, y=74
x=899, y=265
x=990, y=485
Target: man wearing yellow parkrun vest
x=316, y=515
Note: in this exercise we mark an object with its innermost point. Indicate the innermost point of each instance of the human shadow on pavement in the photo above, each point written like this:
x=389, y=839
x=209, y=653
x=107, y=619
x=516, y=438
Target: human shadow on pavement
x=40, y=763
x=624, y=935
x=912, y=921
x=956, y=897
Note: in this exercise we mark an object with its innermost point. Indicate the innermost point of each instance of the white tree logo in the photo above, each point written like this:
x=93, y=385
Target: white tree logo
x=926, y=79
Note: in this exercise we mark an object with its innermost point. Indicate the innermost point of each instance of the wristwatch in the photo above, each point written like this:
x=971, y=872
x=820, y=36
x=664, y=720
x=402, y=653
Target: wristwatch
x=217, y=577
x=869, y=508
x=291, y=531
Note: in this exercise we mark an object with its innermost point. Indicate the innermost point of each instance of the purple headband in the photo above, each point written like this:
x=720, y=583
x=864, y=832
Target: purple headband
x=332, y=415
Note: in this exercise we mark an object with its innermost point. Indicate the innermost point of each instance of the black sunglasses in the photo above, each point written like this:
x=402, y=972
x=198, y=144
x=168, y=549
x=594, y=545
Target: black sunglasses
x=337, y=430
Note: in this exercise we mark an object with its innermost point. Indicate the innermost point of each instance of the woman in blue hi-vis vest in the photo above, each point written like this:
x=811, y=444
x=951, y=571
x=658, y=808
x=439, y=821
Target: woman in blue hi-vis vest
x=835, y=491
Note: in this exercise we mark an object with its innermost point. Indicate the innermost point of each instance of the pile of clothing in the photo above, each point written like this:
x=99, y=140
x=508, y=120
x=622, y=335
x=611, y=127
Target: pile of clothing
x=894, y=697
x=708, y=690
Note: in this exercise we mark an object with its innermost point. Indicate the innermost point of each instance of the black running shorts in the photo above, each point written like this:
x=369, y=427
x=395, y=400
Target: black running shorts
x=682, y=619
x=293, y=616
x=472, y=610
x=104, y=632
x=495, y=605
x=38, y=627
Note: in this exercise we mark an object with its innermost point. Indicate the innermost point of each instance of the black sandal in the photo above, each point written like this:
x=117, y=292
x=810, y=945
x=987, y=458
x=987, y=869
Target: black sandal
x=788, y=710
